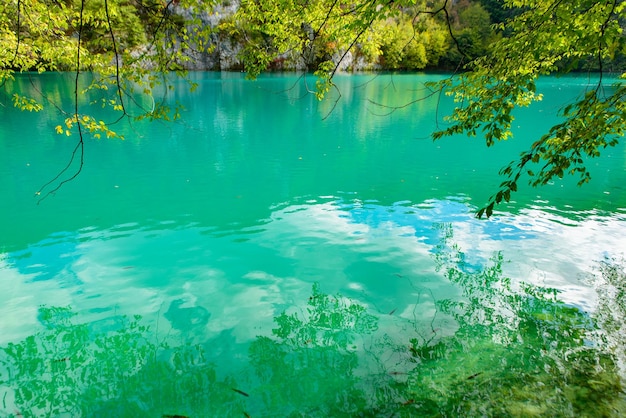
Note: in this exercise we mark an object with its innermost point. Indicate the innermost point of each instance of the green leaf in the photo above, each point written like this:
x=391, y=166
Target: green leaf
x=489, y=210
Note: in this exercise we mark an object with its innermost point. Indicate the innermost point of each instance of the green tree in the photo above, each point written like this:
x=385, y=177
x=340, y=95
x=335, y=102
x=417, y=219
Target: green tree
x=401, y=49
x=542, y=39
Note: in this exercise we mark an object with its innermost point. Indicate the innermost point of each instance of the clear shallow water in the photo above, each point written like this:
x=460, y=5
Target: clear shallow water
x=178, y=249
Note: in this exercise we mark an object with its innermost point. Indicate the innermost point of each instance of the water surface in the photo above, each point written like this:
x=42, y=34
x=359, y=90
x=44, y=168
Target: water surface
x=312, y=255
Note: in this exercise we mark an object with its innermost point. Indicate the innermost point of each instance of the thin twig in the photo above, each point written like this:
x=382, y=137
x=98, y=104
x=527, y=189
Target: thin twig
x=117, y=58
x=80, y=145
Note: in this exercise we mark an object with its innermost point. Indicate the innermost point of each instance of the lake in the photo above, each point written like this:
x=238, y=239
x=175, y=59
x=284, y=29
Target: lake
x=271, y=255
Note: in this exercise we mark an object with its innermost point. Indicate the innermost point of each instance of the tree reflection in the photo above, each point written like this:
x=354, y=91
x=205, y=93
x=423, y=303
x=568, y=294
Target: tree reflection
x=610, y=282
x=313, y=358
x=72, y=370
x=515, y=350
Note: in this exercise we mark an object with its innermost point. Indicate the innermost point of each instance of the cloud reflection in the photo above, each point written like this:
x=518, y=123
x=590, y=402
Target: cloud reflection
x=378, y=254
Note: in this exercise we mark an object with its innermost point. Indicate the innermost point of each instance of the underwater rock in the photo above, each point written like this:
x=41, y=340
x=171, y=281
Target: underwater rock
x=183, y=318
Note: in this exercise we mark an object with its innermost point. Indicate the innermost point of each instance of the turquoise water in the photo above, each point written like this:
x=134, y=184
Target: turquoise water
x=272, y=255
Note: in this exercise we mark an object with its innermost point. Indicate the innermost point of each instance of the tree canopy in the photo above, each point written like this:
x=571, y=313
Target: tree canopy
x=496, y=49
x=547, y=37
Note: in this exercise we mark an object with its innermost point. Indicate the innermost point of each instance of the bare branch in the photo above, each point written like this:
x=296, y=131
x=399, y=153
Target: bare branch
x=80, y=145
x=117, y=58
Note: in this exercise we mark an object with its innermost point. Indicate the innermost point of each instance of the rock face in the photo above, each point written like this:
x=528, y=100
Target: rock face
x=223, y=53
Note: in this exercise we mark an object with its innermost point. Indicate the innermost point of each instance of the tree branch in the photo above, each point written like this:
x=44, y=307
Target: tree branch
x=80, y=145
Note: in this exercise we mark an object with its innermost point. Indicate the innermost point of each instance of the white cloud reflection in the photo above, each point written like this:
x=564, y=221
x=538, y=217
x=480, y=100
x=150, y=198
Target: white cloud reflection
x=185, y=281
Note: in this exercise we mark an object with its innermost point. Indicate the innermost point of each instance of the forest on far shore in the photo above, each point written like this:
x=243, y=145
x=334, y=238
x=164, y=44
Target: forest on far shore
x=254, y=35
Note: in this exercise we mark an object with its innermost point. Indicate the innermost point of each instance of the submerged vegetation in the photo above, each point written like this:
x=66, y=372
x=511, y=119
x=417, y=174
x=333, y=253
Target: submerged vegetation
x=510, y=349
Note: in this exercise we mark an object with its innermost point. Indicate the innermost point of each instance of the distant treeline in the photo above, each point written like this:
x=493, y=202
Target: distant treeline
x=419, y=37
x=255, y=35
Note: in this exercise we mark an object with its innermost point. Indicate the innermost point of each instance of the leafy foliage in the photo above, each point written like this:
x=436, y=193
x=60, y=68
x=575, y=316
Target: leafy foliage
x=546, y=37
x=319, y=35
